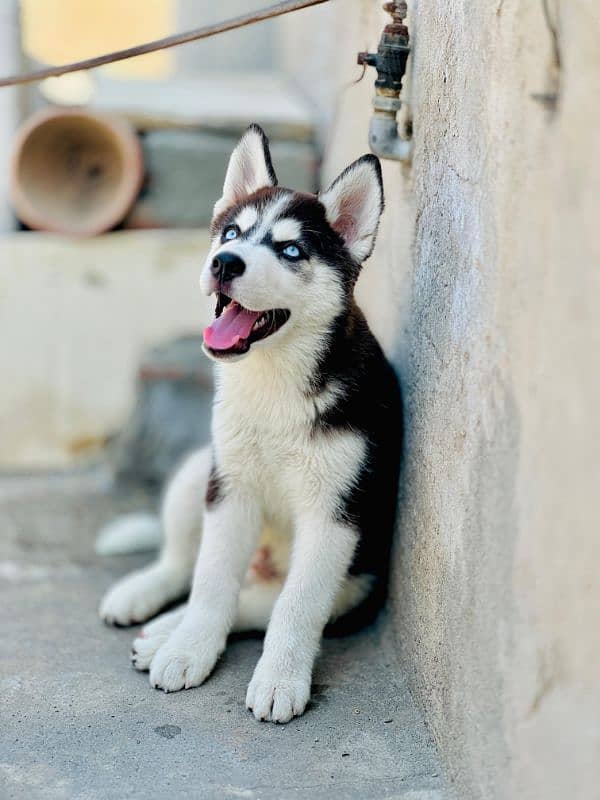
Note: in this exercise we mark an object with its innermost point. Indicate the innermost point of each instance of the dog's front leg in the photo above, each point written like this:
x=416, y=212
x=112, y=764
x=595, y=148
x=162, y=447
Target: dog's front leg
x=231, y=529
x=280, y=686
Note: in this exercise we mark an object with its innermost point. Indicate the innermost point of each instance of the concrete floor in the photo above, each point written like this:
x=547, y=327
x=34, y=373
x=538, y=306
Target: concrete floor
x=79, y=722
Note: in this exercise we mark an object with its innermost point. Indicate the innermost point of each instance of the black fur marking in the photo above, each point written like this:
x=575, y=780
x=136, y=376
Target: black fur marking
x=361, y=615
x=368, y=403
x=318, y=239
x=214, y=490
x=260, y=199
x=290, y=263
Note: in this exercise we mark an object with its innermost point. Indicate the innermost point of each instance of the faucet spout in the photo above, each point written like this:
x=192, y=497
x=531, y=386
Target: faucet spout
x=384, y=139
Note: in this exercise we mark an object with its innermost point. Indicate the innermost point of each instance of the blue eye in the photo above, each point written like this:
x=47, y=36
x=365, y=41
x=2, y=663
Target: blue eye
x=291, y=251
x=230, y=233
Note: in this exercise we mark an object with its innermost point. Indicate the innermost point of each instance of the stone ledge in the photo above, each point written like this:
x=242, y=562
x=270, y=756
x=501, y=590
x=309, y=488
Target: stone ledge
x=217, y=102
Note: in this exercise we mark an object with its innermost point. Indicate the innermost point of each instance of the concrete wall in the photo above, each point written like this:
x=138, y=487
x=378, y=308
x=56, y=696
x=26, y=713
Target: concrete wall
x=484, y=289
x=245, y=49
x=75, y=318
x=59, y=31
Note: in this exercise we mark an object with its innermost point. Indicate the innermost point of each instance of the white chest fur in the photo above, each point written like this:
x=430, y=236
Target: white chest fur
x=265, y=439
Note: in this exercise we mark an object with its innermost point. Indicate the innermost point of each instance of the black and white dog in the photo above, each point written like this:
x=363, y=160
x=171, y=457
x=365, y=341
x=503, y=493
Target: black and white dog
x=288, y=515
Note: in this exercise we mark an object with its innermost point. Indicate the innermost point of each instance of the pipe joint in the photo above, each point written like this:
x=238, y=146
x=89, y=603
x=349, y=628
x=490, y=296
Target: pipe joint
x=390, y=63
x=384, y=139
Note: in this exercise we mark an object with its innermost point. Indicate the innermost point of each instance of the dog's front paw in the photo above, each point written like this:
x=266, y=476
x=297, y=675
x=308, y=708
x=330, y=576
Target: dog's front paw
x=152, y=636
x=186, y=659
x=277, y=694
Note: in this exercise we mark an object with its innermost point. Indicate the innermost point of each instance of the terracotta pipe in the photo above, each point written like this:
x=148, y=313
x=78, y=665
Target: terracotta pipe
x=74, y=171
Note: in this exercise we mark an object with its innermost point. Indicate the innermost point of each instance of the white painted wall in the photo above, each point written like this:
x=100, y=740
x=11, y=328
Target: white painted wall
x=75, y=317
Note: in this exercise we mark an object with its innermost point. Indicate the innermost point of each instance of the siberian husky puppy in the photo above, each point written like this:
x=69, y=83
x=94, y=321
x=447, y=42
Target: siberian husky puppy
x=284, y=523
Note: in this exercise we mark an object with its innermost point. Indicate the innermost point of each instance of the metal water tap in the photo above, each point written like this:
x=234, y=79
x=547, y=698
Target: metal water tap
x=390, y=63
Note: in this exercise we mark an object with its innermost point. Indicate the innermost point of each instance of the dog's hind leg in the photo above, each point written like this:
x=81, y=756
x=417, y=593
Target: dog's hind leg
x=142, y=594
x=255, y=606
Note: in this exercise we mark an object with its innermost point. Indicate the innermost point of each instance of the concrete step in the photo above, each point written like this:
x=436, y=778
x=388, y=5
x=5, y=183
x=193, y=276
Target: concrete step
x=185, y=170
x=78, y=722
x=223, y=102
x=172, y=412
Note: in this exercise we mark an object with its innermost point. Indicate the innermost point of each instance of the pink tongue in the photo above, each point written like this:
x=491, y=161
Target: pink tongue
x=234, y=324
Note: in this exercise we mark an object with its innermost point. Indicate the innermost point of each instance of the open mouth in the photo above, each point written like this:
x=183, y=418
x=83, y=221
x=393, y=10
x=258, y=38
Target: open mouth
x=236, y=328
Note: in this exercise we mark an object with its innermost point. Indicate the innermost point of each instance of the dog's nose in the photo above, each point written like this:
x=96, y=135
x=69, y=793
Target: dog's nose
x=227, y=266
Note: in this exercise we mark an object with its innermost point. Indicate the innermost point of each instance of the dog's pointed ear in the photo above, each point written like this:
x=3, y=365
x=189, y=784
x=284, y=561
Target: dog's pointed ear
x=249, y=169
x=354, y=203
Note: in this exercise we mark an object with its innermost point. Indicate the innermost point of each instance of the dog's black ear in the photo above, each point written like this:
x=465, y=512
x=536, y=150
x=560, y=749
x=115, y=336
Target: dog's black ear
x=354, y=203
x=249, y=169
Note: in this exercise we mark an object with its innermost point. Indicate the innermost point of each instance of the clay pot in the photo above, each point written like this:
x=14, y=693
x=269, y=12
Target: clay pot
x=75, y=171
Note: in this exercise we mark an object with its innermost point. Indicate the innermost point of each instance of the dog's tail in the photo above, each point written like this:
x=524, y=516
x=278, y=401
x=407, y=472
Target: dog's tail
x=131, y=533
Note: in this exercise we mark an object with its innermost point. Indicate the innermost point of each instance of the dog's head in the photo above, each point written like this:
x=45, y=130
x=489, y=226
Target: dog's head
x=284, y=263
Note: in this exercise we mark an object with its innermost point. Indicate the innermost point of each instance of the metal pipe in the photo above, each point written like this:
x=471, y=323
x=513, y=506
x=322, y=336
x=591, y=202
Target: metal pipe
x=390, y=62
x=277, y=10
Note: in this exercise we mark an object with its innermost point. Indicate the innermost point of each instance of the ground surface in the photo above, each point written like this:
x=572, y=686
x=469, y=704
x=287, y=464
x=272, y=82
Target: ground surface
x=79, y=722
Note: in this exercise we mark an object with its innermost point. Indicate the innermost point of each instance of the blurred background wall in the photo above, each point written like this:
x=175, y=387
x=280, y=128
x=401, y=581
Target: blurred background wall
x=56, y=31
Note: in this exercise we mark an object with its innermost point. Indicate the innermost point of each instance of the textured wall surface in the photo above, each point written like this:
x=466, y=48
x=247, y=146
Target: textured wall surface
x=484, y=289
x=75, y=318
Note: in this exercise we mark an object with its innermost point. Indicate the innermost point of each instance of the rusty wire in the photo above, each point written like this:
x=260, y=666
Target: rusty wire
x=241, y=21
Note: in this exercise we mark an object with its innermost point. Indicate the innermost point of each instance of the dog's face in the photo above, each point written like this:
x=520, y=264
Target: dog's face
x=284, y=263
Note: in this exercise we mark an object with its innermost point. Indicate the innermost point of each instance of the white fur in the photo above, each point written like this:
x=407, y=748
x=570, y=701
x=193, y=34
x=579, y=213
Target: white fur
x=131, y=533
x=282, y=478
x=327, y=397
x=140, y=595
x=255, y=605
x=286, y=229
x=247, y=171
x=153, y=636
x=143, y=593
x=246, y=218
